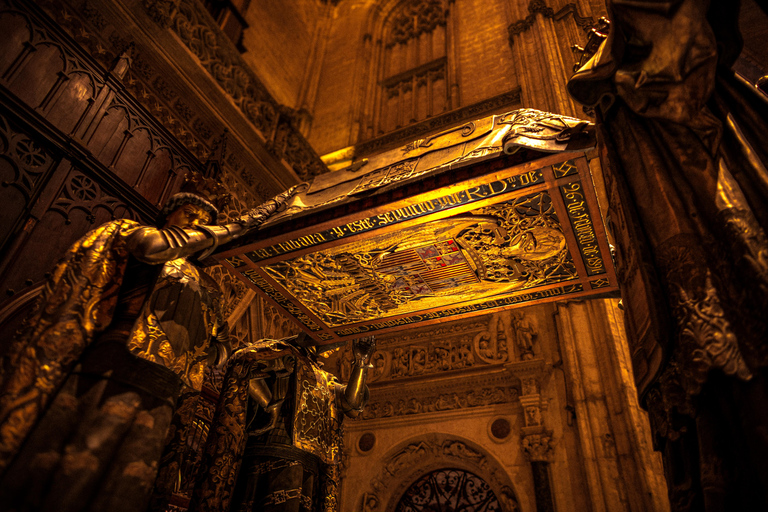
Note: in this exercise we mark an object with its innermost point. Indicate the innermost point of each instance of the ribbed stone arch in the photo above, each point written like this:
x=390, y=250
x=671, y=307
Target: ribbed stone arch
x=410, y=460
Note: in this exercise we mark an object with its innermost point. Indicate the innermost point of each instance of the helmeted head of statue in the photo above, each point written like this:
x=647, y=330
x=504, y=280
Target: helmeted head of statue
x=186, y=209
x=199, y=202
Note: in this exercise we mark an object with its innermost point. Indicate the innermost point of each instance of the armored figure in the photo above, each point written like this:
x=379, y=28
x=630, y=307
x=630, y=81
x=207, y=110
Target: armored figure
x=125, y=323
x=275, y=443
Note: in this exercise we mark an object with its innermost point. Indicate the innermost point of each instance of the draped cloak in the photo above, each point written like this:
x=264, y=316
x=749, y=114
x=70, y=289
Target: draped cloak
x=315, y=420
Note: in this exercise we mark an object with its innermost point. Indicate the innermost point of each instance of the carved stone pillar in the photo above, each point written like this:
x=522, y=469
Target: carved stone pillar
x=536, y=440
x=539, y=451
x=540, y=36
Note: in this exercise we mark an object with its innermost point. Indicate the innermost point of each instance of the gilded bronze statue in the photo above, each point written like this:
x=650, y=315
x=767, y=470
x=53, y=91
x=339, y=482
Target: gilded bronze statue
x=126, y=322
x=275, y=442
x=684, y=146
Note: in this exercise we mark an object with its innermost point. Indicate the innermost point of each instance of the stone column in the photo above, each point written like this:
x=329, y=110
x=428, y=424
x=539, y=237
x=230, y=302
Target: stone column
x=539, y=450
x=622, y=471
x=536, y=439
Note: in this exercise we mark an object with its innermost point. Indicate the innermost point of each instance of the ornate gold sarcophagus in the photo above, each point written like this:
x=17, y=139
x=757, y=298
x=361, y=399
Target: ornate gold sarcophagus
x=493, y=214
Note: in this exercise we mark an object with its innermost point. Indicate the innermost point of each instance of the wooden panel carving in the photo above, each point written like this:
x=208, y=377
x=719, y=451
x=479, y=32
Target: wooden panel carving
x=55, y=77
x=75, y=98
x=190, y=21
x=23, y=164
x=81, y=203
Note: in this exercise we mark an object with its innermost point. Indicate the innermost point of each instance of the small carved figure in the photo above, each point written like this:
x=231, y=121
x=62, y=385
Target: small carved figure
x=484, y=346
x=126, y=322
x=439, y=359
x=465, y=354
x=379, y=366
x=275, y=443
x=400, y=362
x=524, y=334
x=419, y=360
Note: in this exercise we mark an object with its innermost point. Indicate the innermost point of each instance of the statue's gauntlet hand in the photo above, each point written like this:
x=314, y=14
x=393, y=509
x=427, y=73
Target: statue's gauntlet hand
x=356, y=392
x=363, y=350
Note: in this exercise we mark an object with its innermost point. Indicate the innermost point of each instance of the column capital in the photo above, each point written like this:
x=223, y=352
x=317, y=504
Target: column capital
x=538, y=447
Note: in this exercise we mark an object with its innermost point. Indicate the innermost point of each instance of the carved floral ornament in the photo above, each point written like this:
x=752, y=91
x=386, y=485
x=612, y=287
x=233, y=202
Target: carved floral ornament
x=407, y=463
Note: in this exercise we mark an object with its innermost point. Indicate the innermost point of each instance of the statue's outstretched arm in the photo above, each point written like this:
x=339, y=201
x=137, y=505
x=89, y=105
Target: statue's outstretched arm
x=356, y=392
x=158, y=245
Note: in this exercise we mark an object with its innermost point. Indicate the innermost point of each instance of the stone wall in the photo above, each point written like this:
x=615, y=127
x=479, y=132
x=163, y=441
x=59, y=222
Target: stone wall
x=493, y=48
x=504, y=396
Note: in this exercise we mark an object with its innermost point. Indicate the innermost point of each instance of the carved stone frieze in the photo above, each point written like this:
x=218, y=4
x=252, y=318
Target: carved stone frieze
x=438, y=402
x=452, y=348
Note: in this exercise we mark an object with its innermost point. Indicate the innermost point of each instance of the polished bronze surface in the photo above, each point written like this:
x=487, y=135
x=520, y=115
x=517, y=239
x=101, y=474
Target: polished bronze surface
x=503, y=237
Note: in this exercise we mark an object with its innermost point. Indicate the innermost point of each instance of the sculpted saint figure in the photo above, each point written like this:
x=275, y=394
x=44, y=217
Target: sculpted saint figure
x=524, y=334
x=275, y=442
x=126, y=322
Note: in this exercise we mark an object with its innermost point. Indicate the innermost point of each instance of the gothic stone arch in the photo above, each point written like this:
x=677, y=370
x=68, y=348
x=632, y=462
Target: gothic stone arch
x=412, y=459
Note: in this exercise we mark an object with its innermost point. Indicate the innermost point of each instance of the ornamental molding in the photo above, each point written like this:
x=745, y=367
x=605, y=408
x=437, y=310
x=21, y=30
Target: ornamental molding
x=506, y=338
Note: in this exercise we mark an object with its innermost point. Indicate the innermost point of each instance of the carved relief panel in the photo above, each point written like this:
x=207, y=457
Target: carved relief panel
x=475, y=354
x=496, y=339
